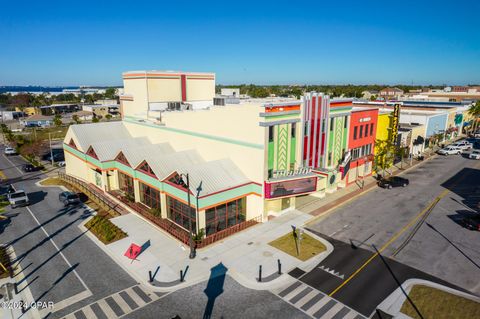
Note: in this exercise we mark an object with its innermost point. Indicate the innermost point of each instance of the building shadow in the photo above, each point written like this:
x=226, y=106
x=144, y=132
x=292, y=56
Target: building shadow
x=36, y=197
x=461, y=215
x=453, y=245
x=464, y=184
x=214, y=288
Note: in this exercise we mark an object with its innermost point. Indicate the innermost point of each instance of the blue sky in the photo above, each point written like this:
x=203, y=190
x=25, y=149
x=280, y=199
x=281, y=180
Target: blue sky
x=261, y=42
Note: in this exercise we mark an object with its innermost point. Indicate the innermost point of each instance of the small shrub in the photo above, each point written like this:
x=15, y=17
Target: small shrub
x=157, y=212
x=104, y=229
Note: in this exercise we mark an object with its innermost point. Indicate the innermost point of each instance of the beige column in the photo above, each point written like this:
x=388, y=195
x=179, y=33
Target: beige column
x=105, y=185
x=136, y=189
x=201, y=220
x=163, y=204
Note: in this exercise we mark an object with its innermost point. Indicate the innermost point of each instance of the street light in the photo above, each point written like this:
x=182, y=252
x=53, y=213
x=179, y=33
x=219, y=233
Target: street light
x=50, y=142
x=199, y=189
x=192, y=248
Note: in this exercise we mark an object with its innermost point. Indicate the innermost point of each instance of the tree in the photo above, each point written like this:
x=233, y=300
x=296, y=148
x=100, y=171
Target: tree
x=384, y=155
x=108, y=117
x=95, y=120
x=110, y=93
x=475, y=112
x=76, y=119
x=57, y=120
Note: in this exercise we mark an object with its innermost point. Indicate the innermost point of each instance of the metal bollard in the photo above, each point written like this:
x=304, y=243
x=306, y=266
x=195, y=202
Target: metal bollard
x=150, y=279
x=279, y=267
x=181, y=275
x=260, y=273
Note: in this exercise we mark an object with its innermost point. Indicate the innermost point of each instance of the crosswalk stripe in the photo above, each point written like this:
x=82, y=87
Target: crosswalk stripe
x=342, y=313
x=333, y=310
x=132, y=304
x=300, y=295
x=121, y=303
x=139, y=301
x=142, y=294
x=289, y=289
x=88, y=312
x=106, y=309
x=294, y=292
x=323, y=309
x=306, y=298
x=98, y=311
x=70, y=316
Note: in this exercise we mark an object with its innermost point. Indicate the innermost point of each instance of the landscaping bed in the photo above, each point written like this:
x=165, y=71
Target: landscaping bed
x=433, y=303
x=104, y=229
x=309, y=246
x=5, y=260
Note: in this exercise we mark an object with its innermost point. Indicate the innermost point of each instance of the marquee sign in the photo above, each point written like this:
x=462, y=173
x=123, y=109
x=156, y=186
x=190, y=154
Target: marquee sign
x=395, y=121
x=290, y=187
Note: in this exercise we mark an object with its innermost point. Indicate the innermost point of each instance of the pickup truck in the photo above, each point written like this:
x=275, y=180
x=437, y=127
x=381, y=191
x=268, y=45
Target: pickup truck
x=18, y=198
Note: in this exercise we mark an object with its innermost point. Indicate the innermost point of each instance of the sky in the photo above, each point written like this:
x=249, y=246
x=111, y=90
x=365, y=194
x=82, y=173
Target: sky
x=57, y=43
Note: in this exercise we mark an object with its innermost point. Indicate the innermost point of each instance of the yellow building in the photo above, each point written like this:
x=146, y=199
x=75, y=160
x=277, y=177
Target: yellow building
x=383, y=139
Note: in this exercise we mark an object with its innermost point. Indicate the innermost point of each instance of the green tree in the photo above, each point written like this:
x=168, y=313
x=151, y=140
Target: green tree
x=76, y=119
x=57, y=120
x=110, y=93
x=384, y=155
x=95, y=120
x=475, y=112
x=108, y=117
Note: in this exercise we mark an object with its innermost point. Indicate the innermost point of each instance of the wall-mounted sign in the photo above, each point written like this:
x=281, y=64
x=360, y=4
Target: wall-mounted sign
x=395, y=120
x=365, y=119
x=290, y=187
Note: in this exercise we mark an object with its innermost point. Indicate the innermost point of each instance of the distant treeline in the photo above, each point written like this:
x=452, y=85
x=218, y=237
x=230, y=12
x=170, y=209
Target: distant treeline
x=298, y=90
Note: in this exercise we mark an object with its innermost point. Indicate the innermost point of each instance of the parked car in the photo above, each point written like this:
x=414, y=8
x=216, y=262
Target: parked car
x=18, y=198
x=69, y=198
x=393, y=181
x=61, y=163
x=450, y=150
x=464, y=145
x=10, y=151
x=472, y=223
x=5, y=190
x=476, y=134
x=57, y=157
x=475, y=154
x=29, y=168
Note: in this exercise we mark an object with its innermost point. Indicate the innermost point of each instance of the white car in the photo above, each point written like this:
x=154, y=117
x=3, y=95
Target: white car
x=464, y=145
x=10, y=151
x=18, y=198
x=450, y=150
x=475, y=155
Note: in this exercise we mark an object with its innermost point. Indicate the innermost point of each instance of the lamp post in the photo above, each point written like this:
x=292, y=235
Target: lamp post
x=192, y=248
x=199, y=189
x=50, y=142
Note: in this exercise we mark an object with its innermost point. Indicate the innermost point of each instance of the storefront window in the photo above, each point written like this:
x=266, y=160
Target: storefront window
x=149, y=196
x=126, y=184
x=178, y=212
x=226, y=215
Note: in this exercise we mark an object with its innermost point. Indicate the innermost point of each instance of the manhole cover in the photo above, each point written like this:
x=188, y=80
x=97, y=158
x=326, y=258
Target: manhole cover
x=204, y=258
x=250, y=243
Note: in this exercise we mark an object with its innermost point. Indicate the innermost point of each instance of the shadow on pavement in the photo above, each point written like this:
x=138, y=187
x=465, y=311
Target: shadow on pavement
x=214, y=288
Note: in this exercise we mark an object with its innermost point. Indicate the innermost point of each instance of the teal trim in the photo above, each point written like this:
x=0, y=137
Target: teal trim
x=167, y=188
x=271, y=150
x=207, y=136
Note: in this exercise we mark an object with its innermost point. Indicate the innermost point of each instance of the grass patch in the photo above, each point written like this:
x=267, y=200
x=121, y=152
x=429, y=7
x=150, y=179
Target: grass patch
x=104, y=229
x=5, y=260
x=53, y=181
x=309, y=246
x=434, y=303
x=3, y=204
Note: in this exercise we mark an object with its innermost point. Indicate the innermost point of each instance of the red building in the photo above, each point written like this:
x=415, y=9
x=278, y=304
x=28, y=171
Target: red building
x=361, y=142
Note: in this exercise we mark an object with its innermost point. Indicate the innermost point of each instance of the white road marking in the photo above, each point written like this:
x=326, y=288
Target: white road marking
x=337, y=231
x=56, y=247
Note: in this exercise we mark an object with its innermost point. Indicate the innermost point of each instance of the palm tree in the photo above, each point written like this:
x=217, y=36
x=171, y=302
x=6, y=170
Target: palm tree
x=475, y=112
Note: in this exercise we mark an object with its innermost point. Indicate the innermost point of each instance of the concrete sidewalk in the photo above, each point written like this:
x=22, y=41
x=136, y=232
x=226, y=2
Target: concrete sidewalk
x=241, y=253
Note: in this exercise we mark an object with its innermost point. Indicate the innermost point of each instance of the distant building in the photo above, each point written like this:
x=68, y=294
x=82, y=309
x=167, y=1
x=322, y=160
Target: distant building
x=391, y=93
x=83, y=115
x=10, y=115
x=230, y=92
x=103, y=110
x=37, y=120
x=367, y=95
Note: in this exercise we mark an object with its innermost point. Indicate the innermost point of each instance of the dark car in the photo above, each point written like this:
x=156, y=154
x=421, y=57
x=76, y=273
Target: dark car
x=29, y=168
x=472, y=223
x=5, y=190
x=69, y=198
x=393, y=181
x=55, y=151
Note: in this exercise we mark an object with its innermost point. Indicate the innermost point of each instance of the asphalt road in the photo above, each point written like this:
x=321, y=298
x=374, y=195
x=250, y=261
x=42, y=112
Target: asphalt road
x=65, y=263
x=66, y=267
x=436, y=247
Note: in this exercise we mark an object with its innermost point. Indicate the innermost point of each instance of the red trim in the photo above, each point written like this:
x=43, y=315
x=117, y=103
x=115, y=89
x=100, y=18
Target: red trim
x=184, y=87
x=233, y=187
x=91, y=152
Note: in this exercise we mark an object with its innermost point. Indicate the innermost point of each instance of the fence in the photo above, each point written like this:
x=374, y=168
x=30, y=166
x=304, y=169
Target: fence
x=93, y=193
x=178, y=232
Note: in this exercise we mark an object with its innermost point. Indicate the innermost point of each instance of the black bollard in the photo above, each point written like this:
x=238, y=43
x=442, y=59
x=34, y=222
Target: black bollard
x=260, y=273
x=279, y=267
x=150, y=279
x=181, y=275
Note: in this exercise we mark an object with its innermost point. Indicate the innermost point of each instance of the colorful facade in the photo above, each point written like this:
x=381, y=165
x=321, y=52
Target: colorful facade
x=362, y=135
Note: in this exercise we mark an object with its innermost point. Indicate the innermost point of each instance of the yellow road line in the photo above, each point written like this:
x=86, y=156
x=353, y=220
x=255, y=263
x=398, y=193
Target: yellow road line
x=2, y=175
x=388, y=243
